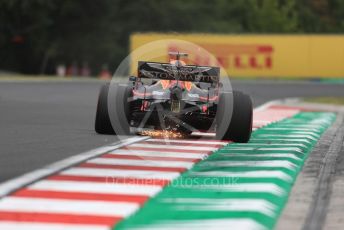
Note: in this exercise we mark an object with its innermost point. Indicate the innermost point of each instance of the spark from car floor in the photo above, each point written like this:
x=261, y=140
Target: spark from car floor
x=163, y=133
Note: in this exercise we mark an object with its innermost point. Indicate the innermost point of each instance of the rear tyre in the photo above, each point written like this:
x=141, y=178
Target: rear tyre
x=120, y=108
x=102, y=122
x=239, y=128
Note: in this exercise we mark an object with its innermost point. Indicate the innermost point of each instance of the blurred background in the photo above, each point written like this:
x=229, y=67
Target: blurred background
x=86, y=37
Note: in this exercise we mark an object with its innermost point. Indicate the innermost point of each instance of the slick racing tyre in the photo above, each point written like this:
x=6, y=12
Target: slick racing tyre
x=238, y=127
x=103, y=123
x=113, y=110
x=119, y=108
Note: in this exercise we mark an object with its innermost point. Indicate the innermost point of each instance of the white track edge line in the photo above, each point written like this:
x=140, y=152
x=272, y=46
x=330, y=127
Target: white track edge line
x=14, y=184
x=267, y=104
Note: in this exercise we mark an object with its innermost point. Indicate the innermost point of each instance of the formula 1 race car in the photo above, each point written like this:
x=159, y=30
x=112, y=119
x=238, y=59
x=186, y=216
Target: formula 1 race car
x=177, y=97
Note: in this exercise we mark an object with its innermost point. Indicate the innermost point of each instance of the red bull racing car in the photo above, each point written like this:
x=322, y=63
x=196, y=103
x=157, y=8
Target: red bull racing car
x=177, y=97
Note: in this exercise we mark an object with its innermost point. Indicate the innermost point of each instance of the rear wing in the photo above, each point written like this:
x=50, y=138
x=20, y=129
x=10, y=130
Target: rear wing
x=166, y=71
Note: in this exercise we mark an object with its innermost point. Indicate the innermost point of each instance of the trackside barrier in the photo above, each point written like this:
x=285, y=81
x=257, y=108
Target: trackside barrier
x=305, y=56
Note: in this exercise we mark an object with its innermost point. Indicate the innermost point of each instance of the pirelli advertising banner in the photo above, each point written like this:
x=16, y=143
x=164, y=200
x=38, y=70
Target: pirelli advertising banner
x=308, y=56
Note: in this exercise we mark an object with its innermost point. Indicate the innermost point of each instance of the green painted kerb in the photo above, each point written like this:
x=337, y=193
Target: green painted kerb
x=241, y=186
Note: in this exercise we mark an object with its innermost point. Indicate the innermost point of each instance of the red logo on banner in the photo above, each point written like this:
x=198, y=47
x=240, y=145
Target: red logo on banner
x=233, y=56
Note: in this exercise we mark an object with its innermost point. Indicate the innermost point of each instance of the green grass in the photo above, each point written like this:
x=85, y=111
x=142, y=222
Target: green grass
x=43, y=78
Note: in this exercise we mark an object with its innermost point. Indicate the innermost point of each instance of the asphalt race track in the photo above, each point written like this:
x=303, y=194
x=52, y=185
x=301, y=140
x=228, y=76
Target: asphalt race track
x=43, y=122
x=47, y=136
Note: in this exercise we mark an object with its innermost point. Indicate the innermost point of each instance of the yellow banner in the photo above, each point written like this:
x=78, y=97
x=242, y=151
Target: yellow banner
x=250, y=55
